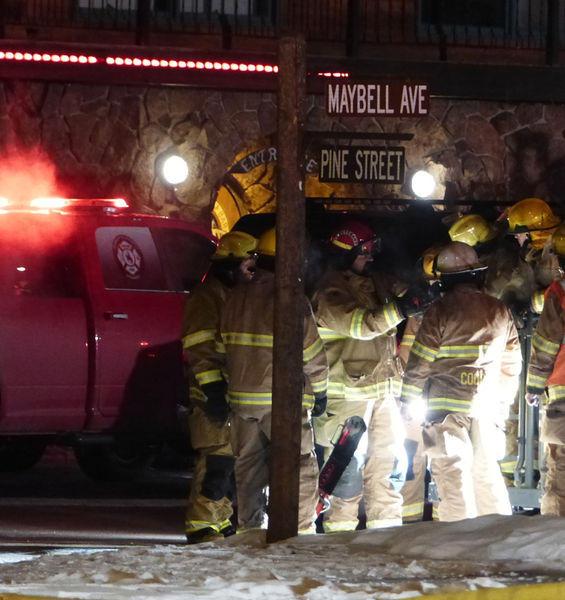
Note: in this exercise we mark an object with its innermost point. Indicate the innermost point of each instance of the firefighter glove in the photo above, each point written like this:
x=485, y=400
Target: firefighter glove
x=416, y=300
x=532, y=399
x=320, y=405
x=217, y=408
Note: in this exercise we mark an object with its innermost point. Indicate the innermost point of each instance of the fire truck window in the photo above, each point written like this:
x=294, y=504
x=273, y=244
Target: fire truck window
x=129, y=259
x=185, y=256
x=49, y=274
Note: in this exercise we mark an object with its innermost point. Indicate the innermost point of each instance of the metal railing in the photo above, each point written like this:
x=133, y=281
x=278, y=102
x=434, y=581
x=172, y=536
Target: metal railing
x=510, y=24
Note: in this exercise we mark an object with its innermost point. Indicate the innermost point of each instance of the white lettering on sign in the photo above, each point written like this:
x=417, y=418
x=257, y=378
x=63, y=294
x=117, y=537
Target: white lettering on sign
x=334, y=163
x=362, y=164
x=385, y=99
x=412, y=101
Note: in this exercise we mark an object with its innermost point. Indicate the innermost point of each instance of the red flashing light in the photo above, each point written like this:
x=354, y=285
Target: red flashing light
x=55, y=203
x=207, y=65
x=134, y=61
x=328, y=74
x=46, y=57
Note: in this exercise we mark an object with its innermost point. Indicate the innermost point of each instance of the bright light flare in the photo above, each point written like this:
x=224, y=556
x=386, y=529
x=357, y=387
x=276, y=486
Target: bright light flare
x=48, y=203
x=175, y=169
x=423, y=184
x=4, y=202
x=417, y=409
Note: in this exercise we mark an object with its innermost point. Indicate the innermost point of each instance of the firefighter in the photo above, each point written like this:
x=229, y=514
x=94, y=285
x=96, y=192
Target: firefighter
x=357, y=318
x=520, y=277
x=210, y=505
x=531, y=221
x=547, y=371
x=510, y=278
x=414, y=489
x=247, y=337
x=464, y=365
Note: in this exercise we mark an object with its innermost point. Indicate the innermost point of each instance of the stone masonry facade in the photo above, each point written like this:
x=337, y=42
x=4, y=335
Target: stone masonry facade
x=107, y=141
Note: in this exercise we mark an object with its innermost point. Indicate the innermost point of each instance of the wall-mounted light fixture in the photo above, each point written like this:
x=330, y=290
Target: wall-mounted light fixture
x=174, y=169
x=423, y=184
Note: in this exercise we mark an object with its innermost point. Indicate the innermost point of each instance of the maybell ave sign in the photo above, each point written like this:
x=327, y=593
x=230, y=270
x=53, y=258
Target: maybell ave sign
x=393, y=99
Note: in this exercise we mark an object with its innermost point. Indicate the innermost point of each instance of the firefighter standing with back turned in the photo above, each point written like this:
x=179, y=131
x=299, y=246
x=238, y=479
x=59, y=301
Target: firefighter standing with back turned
x=465, y=364
x=209, y=504
x=357, y=320
x=247, y=337
x=547, y=371
x=414, y=489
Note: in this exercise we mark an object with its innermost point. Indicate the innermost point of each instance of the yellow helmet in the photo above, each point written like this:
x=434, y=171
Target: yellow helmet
x=458, y=257
x=531, y=214
x=235, y=244
x=472, y=230
x=558, y=240
x=267, y=243
x=429, y=257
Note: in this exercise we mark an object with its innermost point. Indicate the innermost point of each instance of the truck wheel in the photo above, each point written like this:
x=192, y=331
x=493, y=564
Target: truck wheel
x=20, y=454
x=121, y=461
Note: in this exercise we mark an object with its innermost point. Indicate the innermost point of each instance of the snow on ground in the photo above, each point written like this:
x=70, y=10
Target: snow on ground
x=395, y=563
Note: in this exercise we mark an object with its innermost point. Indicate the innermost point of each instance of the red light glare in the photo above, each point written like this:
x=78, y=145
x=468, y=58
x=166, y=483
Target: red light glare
x=47, y=203
x=4, y=202
x=147, y=62
x=328, y=74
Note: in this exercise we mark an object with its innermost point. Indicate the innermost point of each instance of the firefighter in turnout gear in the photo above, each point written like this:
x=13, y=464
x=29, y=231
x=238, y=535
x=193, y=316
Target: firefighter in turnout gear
x=210, y=504
x=465, y=363
x=247, y=338
x=357, y=320
x=531, y=221
x=546, y=371
x=414, y=489
x=520, y=277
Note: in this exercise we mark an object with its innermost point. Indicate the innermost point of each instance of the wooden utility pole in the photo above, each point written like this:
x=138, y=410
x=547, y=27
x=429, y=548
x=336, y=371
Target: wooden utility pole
x=289, y=295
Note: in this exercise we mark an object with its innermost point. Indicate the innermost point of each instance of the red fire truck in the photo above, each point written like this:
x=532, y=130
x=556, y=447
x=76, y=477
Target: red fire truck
x=90, y=351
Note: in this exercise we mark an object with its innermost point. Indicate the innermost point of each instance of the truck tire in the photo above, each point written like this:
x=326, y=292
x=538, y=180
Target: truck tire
x=123, y=460
x=20, y=454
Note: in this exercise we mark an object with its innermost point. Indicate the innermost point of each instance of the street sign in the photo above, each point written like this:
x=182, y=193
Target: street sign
x=392, y=99
x=362, y=164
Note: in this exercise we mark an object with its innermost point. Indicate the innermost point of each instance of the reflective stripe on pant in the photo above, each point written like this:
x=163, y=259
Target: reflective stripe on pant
x=414, y=489
x=252, y=446
x=384, y=468
x=209, y=500
x=464, y=453
x=553, y=500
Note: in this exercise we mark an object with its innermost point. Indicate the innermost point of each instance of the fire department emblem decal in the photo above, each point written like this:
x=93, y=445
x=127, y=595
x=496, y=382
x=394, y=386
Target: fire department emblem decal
x=128, y=256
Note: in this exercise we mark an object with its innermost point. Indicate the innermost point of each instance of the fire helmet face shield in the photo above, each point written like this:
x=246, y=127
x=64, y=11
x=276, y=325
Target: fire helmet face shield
x=472, y=230
x=428, y=262
x=457, y=258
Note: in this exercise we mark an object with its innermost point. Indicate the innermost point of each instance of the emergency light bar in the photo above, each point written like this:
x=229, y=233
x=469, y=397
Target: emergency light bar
x=59, y=203
x=146, y=62
x=137, y=61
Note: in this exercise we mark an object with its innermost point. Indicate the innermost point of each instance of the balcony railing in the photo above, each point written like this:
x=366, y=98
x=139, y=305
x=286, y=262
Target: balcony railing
x=509, y=24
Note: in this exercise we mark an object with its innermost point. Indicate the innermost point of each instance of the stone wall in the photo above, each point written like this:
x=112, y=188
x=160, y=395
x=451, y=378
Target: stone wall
x=106, y=141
